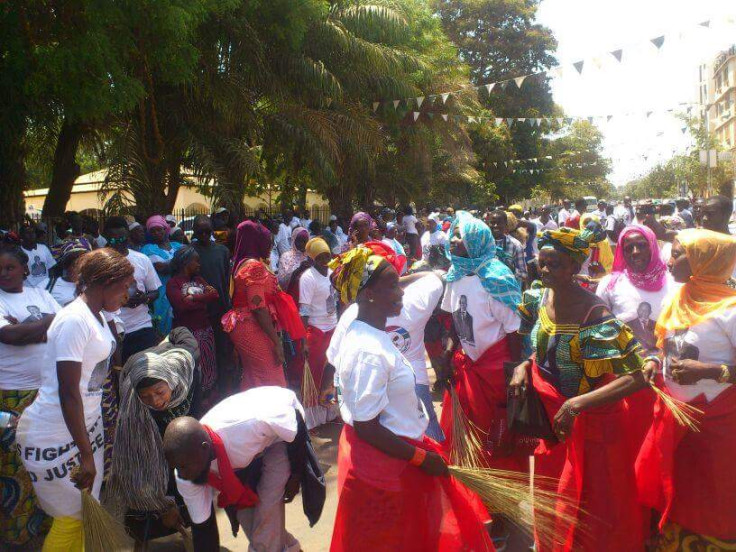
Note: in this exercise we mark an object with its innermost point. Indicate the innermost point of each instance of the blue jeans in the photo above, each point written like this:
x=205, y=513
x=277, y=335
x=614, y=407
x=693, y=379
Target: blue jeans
x=433, y=429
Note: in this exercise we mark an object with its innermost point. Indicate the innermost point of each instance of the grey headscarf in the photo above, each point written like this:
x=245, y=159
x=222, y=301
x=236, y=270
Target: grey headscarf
x=140, y=474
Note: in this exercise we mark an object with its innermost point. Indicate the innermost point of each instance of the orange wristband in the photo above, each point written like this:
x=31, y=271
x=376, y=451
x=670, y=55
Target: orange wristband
x=419, y=456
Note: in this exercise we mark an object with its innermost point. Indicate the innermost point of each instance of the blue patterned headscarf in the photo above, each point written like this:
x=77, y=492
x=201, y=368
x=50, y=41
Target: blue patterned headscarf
x=496, y=277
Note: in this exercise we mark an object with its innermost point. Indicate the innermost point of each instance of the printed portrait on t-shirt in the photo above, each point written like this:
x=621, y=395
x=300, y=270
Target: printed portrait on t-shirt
x=400, y=337
x=35, y=314
x=677, y=347
x=331, y=301
x=192, y=288
x=463, y=321
x=643, y=327
x=99, y=374
x=38, y=267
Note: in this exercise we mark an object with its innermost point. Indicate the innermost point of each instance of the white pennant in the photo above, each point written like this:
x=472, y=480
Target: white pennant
x=499, y=121
x=375, y=106
x=420, y=100
x=539, y=122
x=489, y=87
x=519, y=81
x=560, y=121
x=444, y=97
x=416, y=115
x=396, y=104
x=444, y=116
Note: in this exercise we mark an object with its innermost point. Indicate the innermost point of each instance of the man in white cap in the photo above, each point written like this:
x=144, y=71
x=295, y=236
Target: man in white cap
x=434, y=236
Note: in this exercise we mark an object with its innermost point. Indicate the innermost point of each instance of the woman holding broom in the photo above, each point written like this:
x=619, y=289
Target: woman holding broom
x=482, y=295
x=393, y=484
x=60, y=436
x=687, y=475
x=586, y=361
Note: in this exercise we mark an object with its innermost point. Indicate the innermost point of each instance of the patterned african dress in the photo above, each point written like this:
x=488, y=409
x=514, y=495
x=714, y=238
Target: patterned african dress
x=595, y=464
x=21, y=518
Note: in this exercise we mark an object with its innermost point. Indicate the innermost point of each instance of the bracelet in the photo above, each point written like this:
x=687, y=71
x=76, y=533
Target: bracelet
x=654, y=359
x=571, y=411
x=725, y=376
x=419, y=456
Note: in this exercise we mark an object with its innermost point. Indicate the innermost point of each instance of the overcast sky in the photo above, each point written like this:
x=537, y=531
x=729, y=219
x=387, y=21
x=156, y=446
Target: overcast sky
x=646, y=79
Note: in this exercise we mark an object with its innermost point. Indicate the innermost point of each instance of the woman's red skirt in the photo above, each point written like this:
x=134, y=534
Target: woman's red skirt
x=388, y=505
x=595, y=466
x=688, y=475
x=318, y=342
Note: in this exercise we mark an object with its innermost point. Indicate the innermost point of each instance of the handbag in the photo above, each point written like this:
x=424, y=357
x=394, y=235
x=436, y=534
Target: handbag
x=526, y=415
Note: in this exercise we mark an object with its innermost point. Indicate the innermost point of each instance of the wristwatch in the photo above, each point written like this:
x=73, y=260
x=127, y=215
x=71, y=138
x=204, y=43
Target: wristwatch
x=725, y=376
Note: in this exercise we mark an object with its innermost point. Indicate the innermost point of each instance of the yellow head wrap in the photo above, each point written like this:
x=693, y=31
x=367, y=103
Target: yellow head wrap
x=315, y=247
x=606, y=254
x=712, y=258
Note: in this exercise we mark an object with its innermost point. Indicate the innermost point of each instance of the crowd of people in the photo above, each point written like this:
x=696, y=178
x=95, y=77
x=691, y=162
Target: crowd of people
x=167, y=371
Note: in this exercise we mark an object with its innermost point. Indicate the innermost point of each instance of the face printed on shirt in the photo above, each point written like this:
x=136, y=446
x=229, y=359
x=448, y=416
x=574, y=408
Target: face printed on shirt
x=400, y=337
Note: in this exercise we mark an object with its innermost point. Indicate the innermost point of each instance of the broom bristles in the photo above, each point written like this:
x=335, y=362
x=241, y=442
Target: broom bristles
x=310, y=393
x=508, y=493
x=102, y=532
x=683, y=412
x=467, y=447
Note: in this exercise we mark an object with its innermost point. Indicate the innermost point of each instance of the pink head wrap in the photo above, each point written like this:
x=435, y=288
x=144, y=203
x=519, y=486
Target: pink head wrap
x=653, y=278
x=157, y=221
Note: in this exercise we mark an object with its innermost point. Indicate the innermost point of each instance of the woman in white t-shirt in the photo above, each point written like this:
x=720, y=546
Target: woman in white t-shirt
x=385, y=464
x=25, y=315
x=62, y=286
x=60, y=436
x=687, y=475
x=412, y=234
x=318, y=309
x=482, y=294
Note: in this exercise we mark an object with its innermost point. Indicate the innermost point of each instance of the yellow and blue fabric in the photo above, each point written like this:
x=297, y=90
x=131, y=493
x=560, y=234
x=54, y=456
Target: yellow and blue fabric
x=573, y=357
x=496, y=278
x=572, y=242
x=354, y=269
x=599, y=239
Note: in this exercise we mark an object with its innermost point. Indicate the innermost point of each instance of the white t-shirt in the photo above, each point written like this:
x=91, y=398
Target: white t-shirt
x=626, y=302
x=480, y=320
x=40, y=260
x=562, y=216
x=374, y=380
x=20, y=365
x=712, y=341
x=549, y=225
x=429, y=239
x=64, y=292
x=622, y=213
x=75, y=335
x=146, y=280
x=406, y=330
x=318, y=299
x=410, y=224
x=248, y=423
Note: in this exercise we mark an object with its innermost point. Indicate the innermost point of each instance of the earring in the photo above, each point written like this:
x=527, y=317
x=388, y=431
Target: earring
x=370, y=300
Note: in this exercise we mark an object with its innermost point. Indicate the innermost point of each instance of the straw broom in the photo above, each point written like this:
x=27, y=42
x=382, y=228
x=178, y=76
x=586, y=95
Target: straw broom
x=683, y=412
x=508, y=493
x=310, y=393
x=102, y=532
x=467, y=447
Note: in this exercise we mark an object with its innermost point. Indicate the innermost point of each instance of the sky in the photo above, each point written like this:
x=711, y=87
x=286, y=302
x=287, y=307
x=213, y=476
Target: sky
x=647, y=79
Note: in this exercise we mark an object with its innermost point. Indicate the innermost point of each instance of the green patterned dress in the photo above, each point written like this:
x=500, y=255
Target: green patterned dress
x=573, y=357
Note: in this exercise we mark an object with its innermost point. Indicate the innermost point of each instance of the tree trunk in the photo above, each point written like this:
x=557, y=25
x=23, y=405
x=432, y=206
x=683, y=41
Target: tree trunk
x=12, y=179
x=65, y=169
x=172, y=192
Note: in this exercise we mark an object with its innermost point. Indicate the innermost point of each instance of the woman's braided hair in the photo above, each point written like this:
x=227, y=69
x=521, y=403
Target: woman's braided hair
x=102, y=267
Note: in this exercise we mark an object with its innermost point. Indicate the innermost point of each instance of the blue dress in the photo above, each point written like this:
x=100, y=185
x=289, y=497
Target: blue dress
x=162, y=313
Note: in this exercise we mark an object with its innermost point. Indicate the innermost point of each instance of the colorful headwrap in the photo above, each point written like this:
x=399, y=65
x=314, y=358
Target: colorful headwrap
x=252, y=241
x=712, y=258
x=295, y=234
x=358, y=217
x=354, y=269
x=315, y=247
x=496, y=278
x=672, y=223
x=655, y=275
x=157, y=221
x=568, y=241
x=70, y=247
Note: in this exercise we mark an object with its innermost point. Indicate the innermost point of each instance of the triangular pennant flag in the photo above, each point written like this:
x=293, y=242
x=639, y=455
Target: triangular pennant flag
x=705, y=24
x=489, y=87
x=444, y=97
x=495, y=164
x=658, y=41
x=522, y=119
x=375, y=106
x=598, y=62
x=649, y=114
x=509, y=121
x=444, y=116
x=420, y=100
x=608, y=118
x=539, y=122
x=499, y=121
x=618, y=54
x=430, y=115
x=560, y=121
x=519, y=81
x=505, y=164
x=684, y=129
x=579, y=66
x=396, y=104
x=416, y=115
